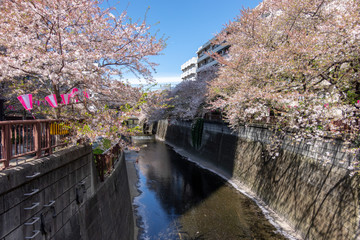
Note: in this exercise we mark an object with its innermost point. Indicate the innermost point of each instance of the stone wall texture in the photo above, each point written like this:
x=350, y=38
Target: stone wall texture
x=318, y=198
x=60, y=197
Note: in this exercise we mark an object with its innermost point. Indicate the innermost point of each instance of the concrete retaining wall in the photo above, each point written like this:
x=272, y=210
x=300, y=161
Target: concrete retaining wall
x=60, y=197
x=320, y=200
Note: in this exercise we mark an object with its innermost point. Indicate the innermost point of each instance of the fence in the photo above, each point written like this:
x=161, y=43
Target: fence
x=29, y=137
x=105, y=161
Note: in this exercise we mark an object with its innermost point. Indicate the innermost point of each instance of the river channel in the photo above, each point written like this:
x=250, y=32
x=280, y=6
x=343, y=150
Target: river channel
x=179, y=200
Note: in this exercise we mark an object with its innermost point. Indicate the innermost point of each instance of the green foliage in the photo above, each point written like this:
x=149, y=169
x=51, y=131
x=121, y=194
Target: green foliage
x=352, y=97
x=106, y=143
x=136, y=129
x=85, y=128
x=97, y=151
x=125, y=108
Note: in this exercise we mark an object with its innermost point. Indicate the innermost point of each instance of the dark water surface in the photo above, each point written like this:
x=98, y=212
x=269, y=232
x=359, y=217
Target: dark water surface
x=179, y=200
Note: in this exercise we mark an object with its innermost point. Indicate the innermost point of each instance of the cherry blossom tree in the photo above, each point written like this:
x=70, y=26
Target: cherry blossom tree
x=297, y=61
x=186, y=101
x=55, y=46
x=154, y=106
x=188, y=97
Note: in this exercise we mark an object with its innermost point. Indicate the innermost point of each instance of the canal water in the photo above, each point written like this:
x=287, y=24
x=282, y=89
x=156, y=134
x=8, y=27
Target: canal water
x=179, y=200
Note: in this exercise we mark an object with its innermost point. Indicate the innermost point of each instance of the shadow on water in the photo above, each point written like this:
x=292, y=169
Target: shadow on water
x=179, y=184
x=179, y=200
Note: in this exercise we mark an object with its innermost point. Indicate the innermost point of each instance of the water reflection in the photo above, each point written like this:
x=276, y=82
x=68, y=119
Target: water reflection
x=181, y=201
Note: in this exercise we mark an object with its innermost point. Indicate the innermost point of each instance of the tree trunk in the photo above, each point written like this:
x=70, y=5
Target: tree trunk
x=58, y=98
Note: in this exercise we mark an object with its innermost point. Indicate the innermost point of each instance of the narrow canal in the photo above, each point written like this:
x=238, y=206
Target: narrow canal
x=179, y=200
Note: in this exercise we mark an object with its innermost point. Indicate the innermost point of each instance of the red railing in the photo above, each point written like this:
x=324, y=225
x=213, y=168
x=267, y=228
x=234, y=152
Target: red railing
x=29, y=137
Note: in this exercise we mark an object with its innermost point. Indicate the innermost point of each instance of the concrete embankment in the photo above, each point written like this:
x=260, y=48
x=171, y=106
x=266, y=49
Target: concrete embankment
x=319, y=200
x=61, y=197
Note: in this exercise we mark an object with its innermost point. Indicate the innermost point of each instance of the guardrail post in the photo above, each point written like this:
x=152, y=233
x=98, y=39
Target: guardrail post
x=7, y=147
x=48, y=138
x=100, y=165
x=37, y=139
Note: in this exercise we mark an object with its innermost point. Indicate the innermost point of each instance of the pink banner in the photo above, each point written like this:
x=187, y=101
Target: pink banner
x=86, y=95
x=74, y=92
x=26, y=101
x=65, y=99
x=51, y=99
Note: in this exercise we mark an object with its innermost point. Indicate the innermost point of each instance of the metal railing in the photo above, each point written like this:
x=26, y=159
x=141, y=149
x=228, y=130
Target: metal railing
x=105, y=162
x=29, y=137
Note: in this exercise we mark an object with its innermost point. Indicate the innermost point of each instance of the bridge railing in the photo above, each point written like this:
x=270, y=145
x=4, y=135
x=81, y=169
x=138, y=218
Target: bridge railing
x=29, y=137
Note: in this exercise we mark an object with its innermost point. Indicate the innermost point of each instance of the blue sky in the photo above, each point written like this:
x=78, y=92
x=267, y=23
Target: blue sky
x=187, y=24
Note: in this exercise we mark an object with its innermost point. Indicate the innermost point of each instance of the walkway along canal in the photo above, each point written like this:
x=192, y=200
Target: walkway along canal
x=179, y=200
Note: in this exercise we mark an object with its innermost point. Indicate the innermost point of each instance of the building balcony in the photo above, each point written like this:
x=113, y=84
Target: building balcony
x=202, y=68
x=188, y=63
x=188, y=74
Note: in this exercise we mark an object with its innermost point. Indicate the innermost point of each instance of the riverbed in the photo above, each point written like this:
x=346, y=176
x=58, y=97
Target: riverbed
x=179, y=200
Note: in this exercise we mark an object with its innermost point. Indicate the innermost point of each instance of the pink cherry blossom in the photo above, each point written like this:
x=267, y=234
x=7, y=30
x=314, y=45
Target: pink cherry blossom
x=51, y=46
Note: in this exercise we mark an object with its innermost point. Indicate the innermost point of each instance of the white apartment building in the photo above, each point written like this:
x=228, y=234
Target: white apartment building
x=189, y=70
x=204, y=60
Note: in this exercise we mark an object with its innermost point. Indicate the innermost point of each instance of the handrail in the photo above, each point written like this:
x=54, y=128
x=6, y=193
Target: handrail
x=26, y=137
x=27, y=121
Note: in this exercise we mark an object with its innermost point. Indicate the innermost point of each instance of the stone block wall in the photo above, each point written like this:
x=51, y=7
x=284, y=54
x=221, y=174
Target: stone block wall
x=60, y=197
x=39, y=197
x=319, y=201
x=217, y=142
x=108, y=213
x=318, y=198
